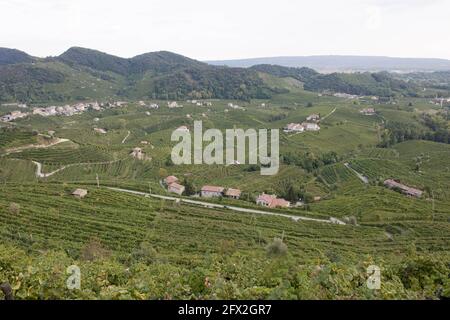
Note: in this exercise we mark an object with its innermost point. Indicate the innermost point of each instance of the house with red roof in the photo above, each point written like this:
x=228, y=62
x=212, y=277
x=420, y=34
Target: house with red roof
x=212, y=191
x=233, y=193
x=271, y=201
x=176, y=188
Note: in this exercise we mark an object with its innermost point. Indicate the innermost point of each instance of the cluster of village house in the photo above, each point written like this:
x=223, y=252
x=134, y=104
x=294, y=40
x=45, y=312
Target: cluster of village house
x=266, y=200
x=311, y=124
x=66, y=110
x=69, y=110
x=198, y=103
x=440, y=101
x=235, y=106
x=151, y=105
x=313, y=120
x=349, y=96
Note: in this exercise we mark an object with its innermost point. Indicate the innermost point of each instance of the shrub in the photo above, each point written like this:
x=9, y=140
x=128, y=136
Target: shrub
x=14, y=208
x=94, y=250
x=277, y=248
x=145, y=253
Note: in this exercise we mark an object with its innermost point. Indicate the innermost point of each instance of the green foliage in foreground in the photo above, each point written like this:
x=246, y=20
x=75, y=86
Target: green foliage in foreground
x=141, y=248
x=227, y=276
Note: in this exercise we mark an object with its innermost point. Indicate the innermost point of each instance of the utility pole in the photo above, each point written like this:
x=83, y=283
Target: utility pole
x=98, y=180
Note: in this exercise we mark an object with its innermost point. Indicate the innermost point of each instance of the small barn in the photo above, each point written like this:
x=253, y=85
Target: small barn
x=80, y=193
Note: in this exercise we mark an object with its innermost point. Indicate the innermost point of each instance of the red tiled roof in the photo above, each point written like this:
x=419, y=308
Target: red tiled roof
x=272, y=201
x=233, y=192
x=177, y=186
x=266, y=198
x=279, y=203
x=212, y=189
x=170, y=180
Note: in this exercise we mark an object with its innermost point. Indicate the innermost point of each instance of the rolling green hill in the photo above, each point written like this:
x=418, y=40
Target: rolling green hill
x=162, y=75
x=379, y=84
x=166, y=75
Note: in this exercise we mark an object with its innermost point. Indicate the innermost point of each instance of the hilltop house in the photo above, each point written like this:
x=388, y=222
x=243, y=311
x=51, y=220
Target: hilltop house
x=309, y=126
x=176, y=188
x=233, y=193
x=13, y=116
x=294, y=127
x=368, y=111
x=6, y=118
x=137, y=153
x=313, y=117
x=120, y=103
x=271, y=201
x=99, y=130
x=412, y=192
x=212, y=191
x=174, y=104
x=80, y=193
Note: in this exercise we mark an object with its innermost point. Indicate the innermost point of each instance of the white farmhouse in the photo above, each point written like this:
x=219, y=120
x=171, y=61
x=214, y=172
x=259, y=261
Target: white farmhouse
x=310, y=126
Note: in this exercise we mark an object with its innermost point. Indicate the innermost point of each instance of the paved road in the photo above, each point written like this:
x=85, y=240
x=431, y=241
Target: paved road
x=234, y=208
x=39, y=173
x=125, y=139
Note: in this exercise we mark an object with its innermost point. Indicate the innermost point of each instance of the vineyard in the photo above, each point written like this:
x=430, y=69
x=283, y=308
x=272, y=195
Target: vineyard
x=337, y=174
x=14, y=138
x=58, y=156
x=170, y=248
x=51, y=218
x=380, y=153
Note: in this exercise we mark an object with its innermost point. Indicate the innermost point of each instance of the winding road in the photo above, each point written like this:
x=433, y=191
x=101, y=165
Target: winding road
x=35, y=146
x=39, y=173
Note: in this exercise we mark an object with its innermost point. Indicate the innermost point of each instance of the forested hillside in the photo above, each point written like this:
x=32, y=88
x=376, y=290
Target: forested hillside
x=162, y=75
x=166, y=75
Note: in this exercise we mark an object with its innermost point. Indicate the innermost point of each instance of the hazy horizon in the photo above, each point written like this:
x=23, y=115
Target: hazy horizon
x=238, y=58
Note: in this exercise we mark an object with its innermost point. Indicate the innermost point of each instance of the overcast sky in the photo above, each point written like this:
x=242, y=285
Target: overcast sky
x=212, y=29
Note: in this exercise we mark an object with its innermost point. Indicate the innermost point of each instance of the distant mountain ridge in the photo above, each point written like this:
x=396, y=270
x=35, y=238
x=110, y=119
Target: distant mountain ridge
x=86, y=74
x=328, y=64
